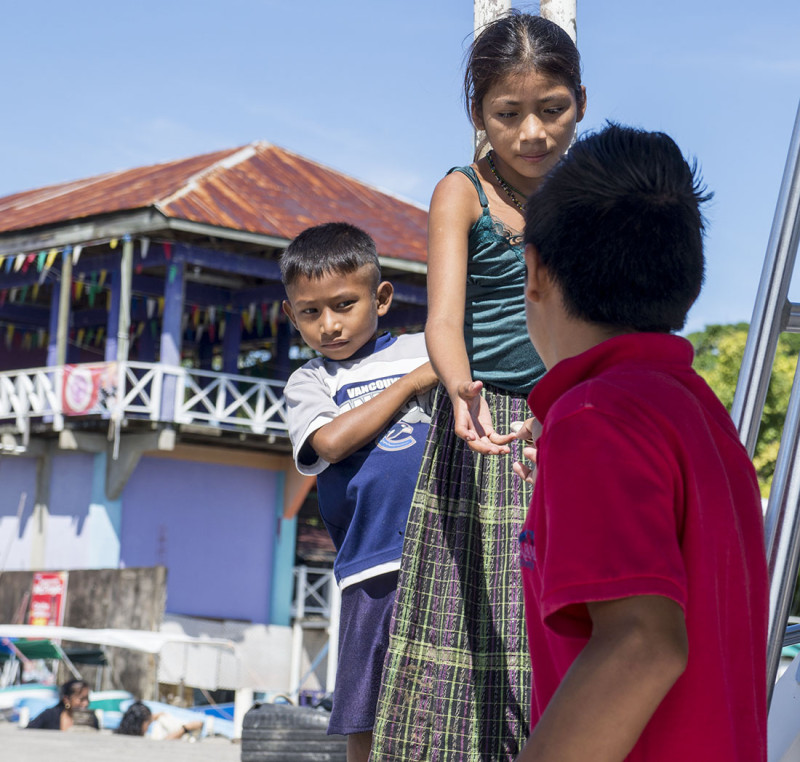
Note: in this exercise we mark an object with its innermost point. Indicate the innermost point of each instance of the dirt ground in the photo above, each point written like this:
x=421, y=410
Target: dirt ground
x=87, y=746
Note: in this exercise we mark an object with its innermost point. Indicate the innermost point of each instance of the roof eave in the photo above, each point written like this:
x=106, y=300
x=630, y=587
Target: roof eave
x=71, y=232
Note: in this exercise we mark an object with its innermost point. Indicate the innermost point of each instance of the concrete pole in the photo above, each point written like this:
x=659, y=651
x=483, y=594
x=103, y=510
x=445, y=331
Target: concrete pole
x=484, y=12
x=561, y=12
x=487, y=11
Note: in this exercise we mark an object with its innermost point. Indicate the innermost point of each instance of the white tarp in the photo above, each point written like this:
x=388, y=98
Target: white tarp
x=136, y=640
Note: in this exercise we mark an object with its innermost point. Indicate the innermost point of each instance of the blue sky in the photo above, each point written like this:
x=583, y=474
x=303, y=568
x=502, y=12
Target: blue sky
x=373, y=88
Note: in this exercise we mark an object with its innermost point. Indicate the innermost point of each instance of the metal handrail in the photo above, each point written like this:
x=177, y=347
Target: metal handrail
x=773, y=314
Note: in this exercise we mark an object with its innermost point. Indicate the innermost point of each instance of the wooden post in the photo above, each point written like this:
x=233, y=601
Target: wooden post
x=112, y=321
x=64, y=299
x=52, y=339
x=172, y=331
x=124, y=325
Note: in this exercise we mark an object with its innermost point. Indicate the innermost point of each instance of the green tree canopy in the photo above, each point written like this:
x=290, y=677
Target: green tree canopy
x=718, y=358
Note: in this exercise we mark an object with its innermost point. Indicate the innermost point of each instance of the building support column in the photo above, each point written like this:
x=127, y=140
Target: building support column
x=172, y=332
x=41, y=509
x=112, y=322
x=64, y=299
x=125, y=279
x=280, y=604
x=52, y=335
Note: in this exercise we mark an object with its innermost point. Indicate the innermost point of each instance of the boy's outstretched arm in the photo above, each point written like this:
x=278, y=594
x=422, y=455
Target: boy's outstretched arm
x=637, y=650
x=352, y=430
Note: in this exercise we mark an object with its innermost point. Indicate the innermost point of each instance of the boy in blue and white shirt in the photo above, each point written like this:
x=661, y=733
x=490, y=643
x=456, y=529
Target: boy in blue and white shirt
x=358, y=419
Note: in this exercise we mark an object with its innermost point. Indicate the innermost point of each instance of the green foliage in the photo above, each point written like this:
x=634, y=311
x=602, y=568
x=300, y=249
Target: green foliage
x=718, y=358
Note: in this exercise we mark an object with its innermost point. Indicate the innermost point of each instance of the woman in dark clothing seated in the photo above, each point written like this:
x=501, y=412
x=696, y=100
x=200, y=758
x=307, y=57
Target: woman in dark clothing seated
x=71, y=710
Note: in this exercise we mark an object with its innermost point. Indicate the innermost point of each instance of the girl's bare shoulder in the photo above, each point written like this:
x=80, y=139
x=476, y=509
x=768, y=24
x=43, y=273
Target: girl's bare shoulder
x=456, y=197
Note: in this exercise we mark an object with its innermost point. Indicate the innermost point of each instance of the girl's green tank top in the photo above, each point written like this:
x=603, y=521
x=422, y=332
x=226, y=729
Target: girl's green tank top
x=499, y=349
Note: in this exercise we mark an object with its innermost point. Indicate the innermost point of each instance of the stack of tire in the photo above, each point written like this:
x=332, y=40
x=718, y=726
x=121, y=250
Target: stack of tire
x=284, y=733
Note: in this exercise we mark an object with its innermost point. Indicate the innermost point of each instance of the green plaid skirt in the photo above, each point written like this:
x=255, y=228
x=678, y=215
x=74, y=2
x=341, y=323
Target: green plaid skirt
x=456, y=683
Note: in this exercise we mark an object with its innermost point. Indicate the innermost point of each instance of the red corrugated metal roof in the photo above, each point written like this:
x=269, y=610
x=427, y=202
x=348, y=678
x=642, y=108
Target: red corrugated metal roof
x=259, y=188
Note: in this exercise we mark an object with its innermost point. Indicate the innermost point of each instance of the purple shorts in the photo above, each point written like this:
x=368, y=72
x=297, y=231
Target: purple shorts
x=363, y=640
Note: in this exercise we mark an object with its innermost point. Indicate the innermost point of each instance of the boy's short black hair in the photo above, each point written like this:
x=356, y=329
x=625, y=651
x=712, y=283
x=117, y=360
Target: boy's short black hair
x=333, y=247
x=618, y=226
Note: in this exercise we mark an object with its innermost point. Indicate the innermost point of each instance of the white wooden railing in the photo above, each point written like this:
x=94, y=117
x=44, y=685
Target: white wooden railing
x=137, y=390
x=315, y=630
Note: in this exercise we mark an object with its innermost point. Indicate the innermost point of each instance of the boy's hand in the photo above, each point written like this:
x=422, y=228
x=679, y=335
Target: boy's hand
x=422, y=378
x=528, y=432
x=473, y=421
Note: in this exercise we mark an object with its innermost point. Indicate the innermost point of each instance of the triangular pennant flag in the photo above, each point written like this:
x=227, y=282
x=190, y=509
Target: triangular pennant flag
x=41, y=258
x=81, y=334
x=9, y=335
x=18, y=262
x=151, y=308
x=50, y=258
x=76, y=253
x=113, y=243
x=35, y=291
x=212, y=315
x=102, y=279
x=144, y=245
x=212, y=332
x=167, y=251
x=12, y=295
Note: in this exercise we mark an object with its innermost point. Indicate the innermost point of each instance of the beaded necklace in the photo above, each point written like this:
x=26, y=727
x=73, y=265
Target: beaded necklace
x=510, y=190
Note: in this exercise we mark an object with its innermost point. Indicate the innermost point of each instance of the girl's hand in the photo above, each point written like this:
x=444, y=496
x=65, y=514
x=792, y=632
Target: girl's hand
x=528, y=432
x=473, y=421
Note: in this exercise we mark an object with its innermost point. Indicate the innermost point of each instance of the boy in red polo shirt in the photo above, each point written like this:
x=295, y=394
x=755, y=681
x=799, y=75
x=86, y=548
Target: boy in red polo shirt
x=643, y=552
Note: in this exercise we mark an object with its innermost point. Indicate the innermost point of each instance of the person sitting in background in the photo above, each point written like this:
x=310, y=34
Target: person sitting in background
x=72, y=710
x=138, y=719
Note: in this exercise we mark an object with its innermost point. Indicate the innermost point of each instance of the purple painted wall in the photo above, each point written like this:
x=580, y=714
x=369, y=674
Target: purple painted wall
x=18, y=477
x=212, y=526
x=68, y=543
